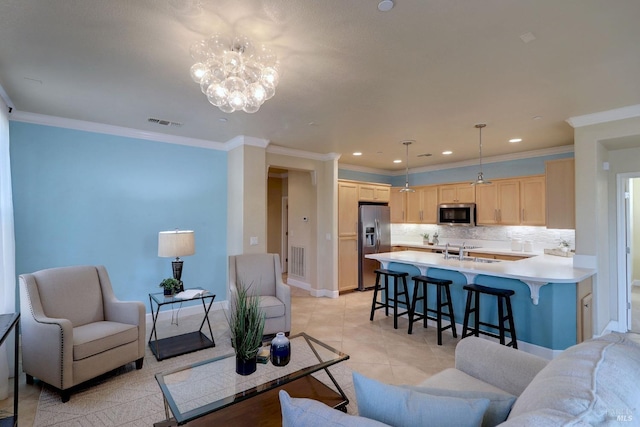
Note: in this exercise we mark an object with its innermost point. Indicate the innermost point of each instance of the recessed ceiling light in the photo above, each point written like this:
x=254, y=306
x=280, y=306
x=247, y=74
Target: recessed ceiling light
x=537, y=117
x=223, y=120
x=516, y=140
x=527, y=37
x=357, y=153
x=385, y=5
x=446, y=153
x=397, y=161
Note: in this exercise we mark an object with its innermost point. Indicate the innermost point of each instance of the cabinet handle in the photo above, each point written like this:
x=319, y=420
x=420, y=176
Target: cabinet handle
x=421, y=216
x=495, y=215
x=499, y=215
x=523, y=217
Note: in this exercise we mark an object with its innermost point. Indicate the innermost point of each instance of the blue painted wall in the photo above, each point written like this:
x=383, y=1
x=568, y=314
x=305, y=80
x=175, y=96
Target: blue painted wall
x=89, y=198
x=550, y=324
x=364, y=176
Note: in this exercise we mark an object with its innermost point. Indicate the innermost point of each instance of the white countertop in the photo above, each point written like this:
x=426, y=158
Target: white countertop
x=536, y=271
x=479, y=249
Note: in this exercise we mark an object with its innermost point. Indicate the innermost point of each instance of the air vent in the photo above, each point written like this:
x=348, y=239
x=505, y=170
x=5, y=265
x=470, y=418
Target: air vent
x=163, y=122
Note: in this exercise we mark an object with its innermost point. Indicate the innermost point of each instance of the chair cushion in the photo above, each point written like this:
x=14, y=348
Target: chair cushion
x=271, y=306
x=401, y=407
x=310, y=413
x=94, y=338
x=454, y=383
x=257, y=272
x=72, y=293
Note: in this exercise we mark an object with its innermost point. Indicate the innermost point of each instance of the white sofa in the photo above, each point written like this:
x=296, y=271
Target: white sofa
x=595, y=383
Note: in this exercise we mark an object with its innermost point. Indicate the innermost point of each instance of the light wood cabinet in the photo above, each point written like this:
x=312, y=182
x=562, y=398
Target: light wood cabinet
x=533, y=200
x=347, y=236
x=560, y=194
x=347, y=209
x=374, y=193
x=397, y=205
x=498, y=203
x=456, y=193
x=517, y=201
x=347, y=263
x=501, y=257
x=422, y=205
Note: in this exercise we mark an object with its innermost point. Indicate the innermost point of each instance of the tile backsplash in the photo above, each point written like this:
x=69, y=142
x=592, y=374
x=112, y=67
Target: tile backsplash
x=494, y=236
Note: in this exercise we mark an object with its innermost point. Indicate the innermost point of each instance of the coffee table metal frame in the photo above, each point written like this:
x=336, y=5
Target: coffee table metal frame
x=177, y=345
x=171, y=406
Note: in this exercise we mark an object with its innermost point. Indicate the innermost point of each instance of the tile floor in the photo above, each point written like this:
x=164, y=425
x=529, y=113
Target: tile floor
x=375, y=348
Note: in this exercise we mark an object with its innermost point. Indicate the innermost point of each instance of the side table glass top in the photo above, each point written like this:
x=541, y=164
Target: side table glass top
x=195, y=390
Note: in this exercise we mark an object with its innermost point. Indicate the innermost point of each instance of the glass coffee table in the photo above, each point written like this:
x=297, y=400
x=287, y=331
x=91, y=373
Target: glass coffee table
x=211, y=393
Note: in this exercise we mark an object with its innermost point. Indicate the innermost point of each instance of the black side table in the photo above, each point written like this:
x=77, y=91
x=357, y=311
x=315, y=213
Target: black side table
x=7, y=323
x=179, y=344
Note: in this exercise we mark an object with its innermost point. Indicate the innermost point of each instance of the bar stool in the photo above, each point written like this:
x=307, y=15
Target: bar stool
x=440, y=305
x=503, y=296
x=399, y=279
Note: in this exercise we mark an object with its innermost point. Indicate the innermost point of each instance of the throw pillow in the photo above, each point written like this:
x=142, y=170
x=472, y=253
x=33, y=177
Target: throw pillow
x=311, y=413
x=401, y=407
x=499, y=404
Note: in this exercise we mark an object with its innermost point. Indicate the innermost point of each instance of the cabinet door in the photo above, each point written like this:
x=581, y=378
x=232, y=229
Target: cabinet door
x=414, y=206
x=397, y=205
x=373, y=193
x=560, y=194
x=347, y=263
x=430, y=205
x=347, y=209
x=382, y=194
x=466, y=193
x=487, y=204
x=509, y=202
x=447, y=194
x=532, y=201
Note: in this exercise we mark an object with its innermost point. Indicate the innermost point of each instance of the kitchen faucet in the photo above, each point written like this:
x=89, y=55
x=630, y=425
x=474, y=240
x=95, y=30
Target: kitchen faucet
x=461, y=252
x=446, y=251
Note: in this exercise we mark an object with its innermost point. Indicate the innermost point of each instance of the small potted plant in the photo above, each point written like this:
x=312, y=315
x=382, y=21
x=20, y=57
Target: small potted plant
x=246, y=321
x=170, y=286
x=564, y=245
x=425, y=238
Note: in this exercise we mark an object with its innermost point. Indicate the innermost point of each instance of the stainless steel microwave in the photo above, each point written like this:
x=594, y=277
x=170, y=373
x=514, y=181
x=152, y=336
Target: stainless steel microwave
x=457, y=214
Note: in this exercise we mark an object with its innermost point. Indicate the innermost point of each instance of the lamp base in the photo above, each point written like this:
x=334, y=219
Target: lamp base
x=177, y=272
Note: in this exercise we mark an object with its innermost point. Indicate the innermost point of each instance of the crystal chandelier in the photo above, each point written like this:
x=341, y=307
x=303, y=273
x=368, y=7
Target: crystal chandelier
x=234, y=74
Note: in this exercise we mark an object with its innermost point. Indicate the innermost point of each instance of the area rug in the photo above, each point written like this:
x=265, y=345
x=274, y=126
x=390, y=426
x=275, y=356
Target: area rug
x=130, y=397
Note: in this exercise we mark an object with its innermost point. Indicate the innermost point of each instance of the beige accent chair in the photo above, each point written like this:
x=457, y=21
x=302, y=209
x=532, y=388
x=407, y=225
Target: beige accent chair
x=263, y=274
x=74, y=328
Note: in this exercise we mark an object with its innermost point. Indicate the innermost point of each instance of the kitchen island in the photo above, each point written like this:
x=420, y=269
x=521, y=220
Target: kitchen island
x=548, y=291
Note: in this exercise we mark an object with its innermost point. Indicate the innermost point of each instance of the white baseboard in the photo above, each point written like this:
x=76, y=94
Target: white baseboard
x=191, y=310
x=319, y=293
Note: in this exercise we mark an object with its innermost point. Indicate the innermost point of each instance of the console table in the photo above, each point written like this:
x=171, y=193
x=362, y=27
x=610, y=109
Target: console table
x=7, y=323
x=179, y=344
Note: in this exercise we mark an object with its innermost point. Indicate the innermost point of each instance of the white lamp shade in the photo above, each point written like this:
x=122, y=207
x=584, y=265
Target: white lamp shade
x=176, y=243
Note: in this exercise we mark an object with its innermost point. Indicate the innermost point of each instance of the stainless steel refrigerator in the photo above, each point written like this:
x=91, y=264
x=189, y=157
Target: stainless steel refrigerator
x=374, y=236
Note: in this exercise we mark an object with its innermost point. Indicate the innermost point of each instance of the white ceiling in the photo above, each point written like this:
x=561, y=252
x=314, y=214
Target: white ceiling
x=352, y=78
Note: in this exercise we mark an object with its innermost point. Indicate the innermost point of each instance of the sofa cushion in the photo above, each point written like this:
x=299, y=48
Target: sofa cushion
x=401, y=407
x=310, y=413
x=590, y=382
x=544, y=418
x=94, y=338
x=454, y=383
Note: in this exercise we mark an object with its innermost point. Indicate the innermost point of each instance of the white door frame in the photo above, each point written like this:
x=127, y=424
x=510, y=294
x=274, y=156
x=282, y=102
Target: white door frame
x=623, y=258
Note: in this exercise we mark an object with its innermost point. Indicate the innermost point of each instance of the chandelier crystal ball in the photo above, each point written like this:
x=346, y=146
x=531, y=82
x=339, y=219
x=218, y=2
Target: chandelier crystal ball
x=233, y=73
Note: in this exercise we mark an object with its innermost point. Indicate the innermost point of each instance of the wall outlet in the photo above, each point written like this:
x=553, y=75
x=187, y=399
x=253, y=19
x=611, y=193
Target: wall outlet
x=253, y=241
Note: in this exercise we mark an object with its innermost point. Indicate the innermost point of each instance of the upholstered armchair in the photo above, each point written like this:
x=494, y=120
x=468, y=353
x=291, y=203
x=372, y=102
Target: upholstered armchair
x=262, y=274
x=73, y=327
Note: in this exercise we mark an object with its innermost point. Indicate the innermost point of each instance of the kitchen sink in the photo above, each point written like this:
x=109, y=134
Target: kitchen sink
x=486, y=260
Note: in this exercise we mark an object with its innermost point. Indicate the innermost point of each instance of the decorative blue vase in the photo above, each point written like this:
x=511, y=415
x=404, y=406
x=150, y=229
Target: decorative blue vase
x=280, y=350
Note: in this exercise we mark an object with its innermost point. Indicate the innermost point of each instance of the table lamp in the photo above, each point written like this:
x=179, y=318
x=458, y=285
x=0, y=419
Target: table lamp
x=176, y=243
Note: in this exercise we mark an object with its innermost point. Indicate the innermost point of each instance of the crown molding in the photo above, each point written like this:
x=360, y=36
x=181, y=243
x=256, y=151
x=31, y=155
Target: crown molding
x=61, y=122
x=605, y=116
x=241, y=140
x=277, y=149
x=364, y=169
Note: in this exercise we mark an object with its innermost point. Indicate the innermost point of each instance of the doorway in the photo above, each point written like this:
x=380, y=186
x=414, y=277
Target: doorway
x=629, y=250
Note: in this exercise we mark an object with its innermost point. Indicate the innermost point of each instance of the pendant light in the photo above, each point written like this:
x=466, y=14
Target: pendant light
x=406, y=188
x=480, y=180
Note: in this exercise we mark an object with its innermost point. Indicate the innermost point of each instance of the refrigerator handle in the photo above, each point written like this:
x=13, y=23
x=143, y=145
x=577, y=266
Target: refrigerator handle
x=377, y=235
